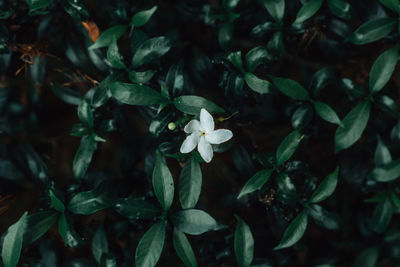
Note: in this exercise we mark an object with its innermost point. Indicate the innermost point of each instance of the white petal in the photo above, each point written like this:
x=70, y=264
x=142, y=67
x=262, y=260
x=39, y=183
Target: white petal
x=190, y=143
x=192, y=126
x=206, y=121
x=205, y=149
x=218, y=136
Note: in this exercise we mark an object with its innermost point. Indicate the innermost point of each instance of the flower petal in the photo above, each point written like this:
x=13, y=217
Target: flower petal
x=190, y=142
x=192, y=126
x=205, y=149
x=218, y=136
x=206, y=121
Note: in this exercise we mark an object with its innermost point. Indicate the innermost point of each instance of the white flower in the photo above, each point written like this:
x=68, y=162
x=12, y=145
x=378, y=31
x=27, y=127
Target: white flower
x=203, y=135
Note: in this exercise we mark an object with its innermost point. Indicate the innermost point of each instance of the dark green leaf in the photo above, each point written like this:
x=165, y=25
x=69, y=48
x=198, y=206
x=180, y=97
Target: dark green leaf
x=63, y=228
x=151, y=245
x=382, y=216
x=367, y=258
x=184, y=249
x=326, y=188
x=256, y=84
x=137, y=208
x=255, y=182
x=99, y=244
x=295, y=231
x=244, y=243
x=190, y=183
x=66, y=94
x=175, y=80
x=142, y=17
x=85, y=113
x=324, y=218
x=373, y=30
x=37, y=225
x=308, y=10
x=83, y=156
x=135, y=94
x=55, y=202
x=12, y=243
x=388, y=172
x=276, y=8
x=302, y=116
x=256, y=56
x=141, y=77
x=149, y=50
x=291, y=88
x=383, y=68
x=340, y=8
x=321, y=79
x=327, y=113
x=192, y=104
x=36, y=8
x=109, y=36
x=163, y=183
x=382, y=154
x=225, y=33
x=236, y=59
x=288, y=147
x=275, y=44
x=391, y=4
x=193, y=222
x=114, y=57
x=353, y=126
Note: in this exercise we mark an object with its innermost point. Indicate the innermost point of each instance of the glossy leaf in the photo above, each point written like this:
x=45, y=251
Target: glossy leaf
x=367, y=258
x=150, y=49
x=190, y=181
x=12, y=243
x=256, y=84
x=243, y=243
x=36, y=8
x=302, y=116
x=324, y=218
x=142, y=17
x=308, y=10
x=373, y=30
x=55, y=202
x=327, y=113
x=175, y=79
x=326, y=188
x=388, y=172
x=276, y=8
x=291, y=88
x=83, y=156
x=340, y=8
x=295, y=231
x=141, y=76
x=63, y=228
x=109, y=36
x=353, y=126
x=193, y=221
x=255, y=182
x=383, y=68
x=236, y=59
x=137, y=208
x=135, y=94
x=382, y=216
x=225, y=34
x=382, y=154
x=391, y=4
x=114, y=57
x=163, y=183
x=184, y=249
x=151, y=245
x=37, y=225
x=288, y=146
x=192, y=104
x=99, y=244
x=257, y=56
x=88, y=202
x=321, y=79
x=85, y=113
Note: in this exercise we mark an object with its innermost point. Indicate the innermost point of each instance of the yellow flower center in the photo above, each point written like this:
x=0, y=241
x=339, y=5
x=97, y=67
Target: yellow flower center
x=203, y=133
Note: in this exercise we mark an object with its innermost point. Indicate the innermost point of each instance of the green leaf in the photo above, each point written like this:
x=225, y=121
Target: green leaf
x=302, y=116
x=190, y=183
x=63, y=228
x=236, y=59
x=114, y=57
x=388, y=172
x=37, y=225
x=141, y=76
x=256, y=84
x=89, y=202
x=150, y=49
x=353, y=126
x=276, y=8
x=382, y=216
x=244, y=243
x=326, y=188
x=255, y=182
x=391, y=4
x=163, y=183
x=327, y=113
x=36, y=7
x=295, y=231
x=99, y=244
x=225, y=33
x=382, y=154
x=192, y=104
x=308, y=10
x=83, y=156
x=66, y=94
x=291, y=88
x=324, y=218
x=372, y=30
x=321, y=79
x=193, y=221
x=383, y=69
x=288, y=147
x=55, y=202
x=340, y=8
x=175, y=79
x=12, y=243
x=135, y=94
x=109, y=36
x=367, y=258
x=137, y=208
x=142, y=17
x=184, y=249
x=85, y=113
x=151, y=245
x=256, y=56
